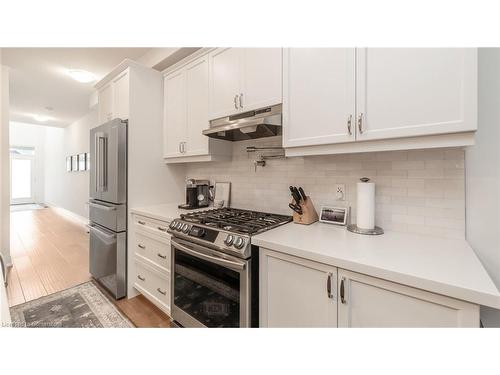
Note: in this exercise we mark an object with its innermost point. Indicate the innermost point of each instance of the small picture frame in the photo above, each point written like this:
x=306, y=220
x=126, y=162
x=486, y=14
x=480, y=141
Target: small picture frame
x=74, y=163
x=82, y=162
x=68, y=164
x=334, y=215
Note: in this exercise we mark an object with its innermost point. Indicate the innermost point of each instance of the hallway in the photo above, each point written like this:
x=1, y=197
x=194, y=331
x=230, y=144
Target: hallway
x=49, y=253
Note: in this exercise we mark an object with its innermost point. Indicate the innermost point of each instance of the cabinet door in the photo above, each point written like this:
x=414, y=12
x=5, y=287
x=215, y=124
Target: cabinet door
x=261, y=78
x=294, y=292
x=174, y=127
x=318, y=96
x=121, y=90
x=372, y=302
x=105, y=104
x=197, y=107
x=406, y=92
x=225, y=84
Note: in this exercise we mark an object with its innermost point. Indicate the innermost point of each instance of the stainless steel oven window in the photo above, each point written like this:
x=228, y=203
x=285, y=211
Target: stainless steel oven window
x=209, y=289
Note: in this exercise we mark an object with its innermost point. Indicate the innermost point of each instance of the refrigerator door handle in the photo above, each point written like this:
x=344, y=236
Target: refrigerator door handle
x=101, y=148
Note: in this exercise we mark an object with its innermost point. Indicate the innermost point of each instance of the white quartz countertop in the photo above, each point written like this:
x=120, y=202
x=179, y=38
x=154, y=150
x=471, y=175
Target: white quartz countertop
x=444, y=266
x=163, y=212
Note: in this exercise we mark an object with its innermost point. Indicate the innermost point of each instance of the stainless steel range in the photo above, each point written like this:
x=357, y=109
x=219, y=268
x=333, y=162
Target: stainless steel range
x=215, y=266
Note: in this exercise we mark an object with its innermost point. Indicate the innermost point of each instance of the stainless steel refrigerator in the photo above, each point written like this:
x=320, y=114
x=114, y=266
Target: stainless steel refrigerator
x=108, y=206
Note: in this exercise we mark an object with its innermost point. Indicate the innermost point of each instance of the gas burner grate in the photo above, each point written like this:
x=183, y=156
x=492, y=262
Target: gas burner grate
x=236, y=220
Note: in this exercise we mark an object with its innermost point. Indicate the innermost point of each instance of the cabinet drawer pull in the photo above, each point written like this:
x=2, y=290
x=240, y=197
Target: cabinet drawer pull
x=161, y=291
x=141, y=278
x=163, y=229
x=162, y=256
x=342, y=291
x=236, y=101
x=360, y=123
x=349, y=123
x=141, y=246
x=142, y=222
x=329, y=286
x=241, y=100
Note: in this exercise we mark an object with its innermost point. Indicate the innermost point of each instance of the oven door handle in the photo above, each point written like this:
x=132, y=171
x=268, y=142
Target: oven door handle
x=220, y=261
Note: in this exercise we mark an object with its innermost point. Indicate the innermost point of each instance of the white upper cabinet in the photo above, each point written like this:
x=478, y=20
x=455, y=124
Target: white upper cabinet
x=197, y=107
x=174, y=126
x=243, y=79
x=366, y=301
x=114, y=98
x=405, y=92
x=225, y=81
x=186, y=106
x=398, y=98
x=261, y=78
x=105, y=102
x=318, y=96
x=121, y=90
x=295, y=292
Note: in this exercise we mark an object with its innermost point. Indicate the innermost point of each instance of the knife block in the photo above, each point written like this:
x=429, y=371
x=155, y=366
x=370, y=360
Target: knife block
x=309, y=214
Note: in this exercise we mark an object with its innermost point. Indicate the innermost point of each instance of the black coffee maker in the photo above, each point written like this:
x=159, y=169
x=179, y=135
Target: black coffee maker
x=197, y=194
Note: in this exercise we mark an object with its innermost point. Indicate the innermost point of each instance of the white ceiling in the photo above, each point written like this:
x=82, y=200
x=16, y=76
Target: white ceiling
x=38, y=79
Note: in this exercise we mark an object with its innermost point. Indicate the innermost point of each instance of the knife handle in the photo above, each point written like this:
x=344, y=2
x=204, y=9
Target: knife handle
x=302, y=194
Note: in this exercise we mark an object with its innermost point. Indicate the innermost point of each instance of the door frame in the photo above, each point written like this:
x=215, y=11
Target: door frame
x=32, y=158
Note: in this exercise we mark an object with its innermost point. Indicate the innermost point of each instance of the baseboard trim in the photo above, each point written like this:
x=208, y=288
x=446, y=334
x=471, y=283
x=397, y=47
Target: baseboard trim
x=69, y=214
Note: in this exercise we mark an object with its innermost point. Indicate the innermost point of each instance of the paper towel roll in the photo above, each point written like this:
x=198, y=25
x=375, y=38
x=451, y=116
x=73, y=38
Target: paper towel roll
x=366, y=205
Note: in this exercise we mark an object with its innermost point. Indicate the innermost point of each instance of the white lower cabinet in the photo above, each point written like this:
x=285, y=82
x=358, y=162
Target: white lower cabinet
x=295, y=292
x=372, y=302
x=151, y=258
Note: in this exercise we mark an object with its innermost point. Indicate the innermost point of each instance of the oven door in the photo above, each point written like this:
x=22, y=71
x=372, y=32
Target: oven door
x=209, y=289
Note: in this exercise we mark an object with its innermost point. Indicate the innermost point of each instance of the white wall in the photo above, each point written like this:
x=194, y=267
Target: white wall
x=483, y=174
x=30, y=135
x=69, y=190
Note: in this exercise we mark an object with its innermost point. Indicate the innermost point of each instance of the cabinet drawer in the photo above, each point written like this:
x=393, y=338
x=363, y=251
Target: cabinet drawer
x=153, y=285
x=154, y=250
x=150, y=225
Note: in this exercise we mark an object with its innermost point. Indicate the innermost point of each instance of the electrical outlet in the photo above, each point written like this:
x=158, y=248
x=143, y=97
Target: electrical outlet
x=340, y=192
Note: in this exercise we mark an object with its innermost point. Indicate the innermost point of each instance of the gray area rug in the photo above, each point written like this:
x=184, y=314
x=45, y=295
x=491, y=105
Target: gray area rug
x=83, y=306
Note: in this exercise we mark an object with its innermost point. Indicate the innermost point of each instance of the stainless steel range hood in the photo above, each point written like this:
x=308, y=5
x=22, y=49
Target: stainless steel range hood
x=264, y=122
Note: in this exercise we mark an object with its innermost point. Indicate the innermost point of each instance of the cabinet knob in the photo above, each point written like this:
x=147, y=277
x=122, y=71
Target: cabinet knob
x=236, y=101
x=142, y=222
x=141, y=246
x=241, y=100
x=141, y=278
x=349, y=124
x=161, y=291
x=162, y=256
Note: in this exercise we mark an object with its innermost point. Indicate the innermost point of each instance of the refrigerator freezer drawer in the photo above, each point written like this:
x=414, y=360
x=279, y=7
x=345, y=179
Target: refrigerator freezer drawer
x=109, y=215
x=108, y=259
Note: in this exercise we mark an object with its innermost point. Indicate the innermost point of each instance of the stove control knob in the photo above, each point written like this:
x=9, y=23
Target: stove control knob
x=185, y=228
x=178, y=226
x=229, y=240
x=172, y=224
x=239, y=243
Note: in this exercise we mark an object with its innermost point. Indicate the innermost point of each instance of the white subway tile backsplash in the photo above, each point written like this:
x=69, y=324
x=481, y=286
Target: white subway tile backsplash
x=418, y=191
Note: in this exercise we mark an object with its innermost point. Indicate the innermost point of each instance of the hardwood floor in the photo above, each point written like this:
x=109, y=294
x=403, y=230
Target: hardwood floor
x=50, y=253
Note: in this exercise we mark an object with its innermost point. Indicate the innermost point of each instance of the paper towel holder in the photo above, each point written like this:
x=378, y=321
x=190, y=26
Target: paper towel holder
x=371, y=232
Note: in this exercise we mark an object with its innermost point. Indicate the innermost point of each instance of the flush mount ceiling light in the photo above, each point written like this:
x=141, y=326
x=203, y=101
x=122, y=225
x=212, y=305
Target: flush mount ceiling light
x=41, y=118
x=81, y=75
